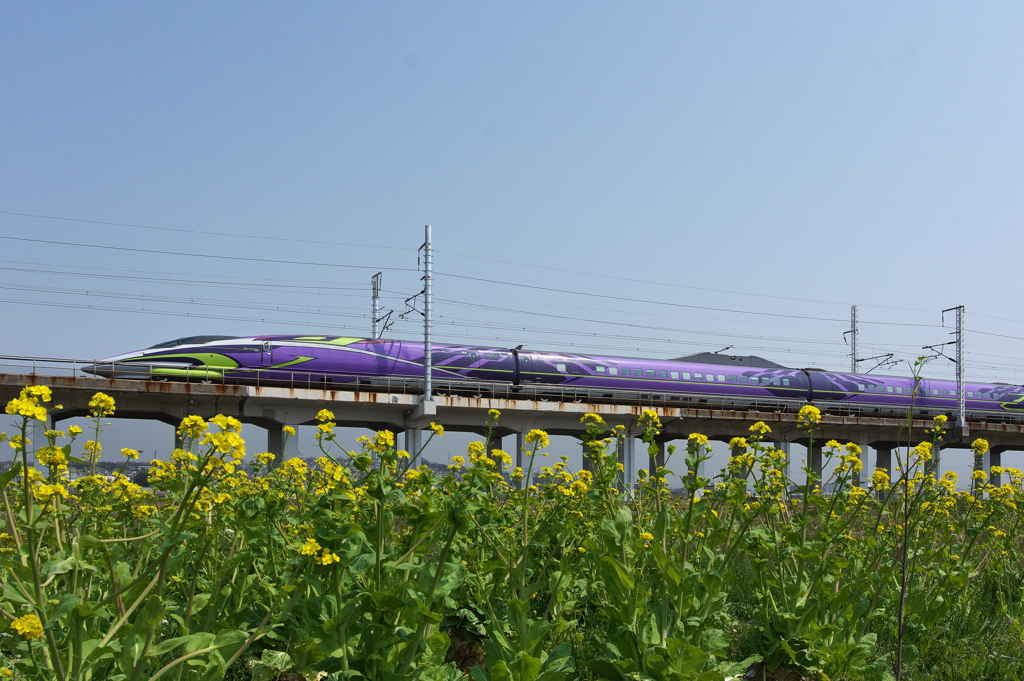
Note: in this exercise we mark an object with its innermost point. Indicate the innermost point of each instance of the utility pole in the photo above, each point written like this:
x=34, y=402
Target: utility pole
x=960, y=395
x=853, y=339
x=428, y=273
x=375, y=284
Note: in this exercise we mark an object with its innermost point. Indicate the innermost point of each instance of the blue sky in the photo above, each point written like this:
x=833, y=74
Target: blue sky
x=785, y=159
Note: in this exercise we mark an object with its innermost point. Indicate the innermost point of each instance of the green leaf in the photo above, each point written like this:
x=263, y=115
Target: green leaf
x=8, y=475
x=605, y=669
x=67, y=603
x=275, y=659
x=169, y=644
x=200, y=601
x=11, y=593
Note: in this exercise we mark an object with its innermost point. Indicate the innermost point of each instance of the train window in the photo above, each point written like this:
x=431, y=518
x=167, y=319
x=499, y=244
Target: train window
x=675, y=374
x=765, y=380
x=952, y=393
x=560, y=367
x=970, y=393
x=899, y=389
x=614, y=371
x=710, y=378
x=860, y=387
x=525, y=361
x=888, y=389
x=775, y=381
x=732, y=379
x=744, y=379
x=785, y=381
x=651, y=373
x=599, y=369
x=686, y=375
x=697, y=377
x=945, y=393
x=721, y=378
x=472, y=356
x=662, y=374
x=934, y=391
x=625, y=371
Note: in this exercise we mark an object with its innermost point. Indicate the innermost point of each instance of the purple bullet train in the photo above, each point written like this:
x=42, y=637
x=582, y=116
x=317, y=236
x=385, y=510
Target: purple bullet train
x=336, y=361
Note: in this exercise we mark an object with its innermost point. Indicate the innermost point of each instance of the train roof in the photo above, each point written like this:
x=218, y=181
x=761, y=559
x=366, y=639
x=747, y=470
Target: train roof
x=729, y=360
x=189, y=340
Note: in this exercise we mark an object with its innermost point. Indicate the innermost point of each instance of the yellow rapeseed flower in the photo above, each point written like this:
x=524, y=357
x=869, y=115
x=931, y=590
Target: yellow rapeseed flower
x=101, y=404
x=698, y=439
x=129, y=453
x=28, y=626
x=761, y=428
x=437, y=429
x=325, y=415
x=980, y=446
x=809, y=415
x=192, y=426
x=326, y=558
x=538, y=437
x=649, y=419
x=493, y=414
x=288, y=430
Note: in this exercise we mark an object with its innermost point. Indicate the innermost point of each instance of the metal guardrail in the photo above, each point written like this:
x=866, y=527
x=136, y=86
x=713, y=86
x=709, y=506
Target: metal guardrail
x=73, y=368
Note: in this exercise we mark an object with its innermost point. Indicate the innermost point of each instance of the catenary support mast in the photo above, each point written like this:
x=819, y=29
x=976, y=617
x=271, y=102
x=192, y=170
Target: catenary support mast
x=853, y=339
x=375, y=284
x=428, y=327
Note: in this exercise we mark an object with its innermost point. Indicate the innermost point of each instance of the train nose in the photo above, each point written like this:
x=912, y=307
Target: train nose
x=118, y=370
x=104, y=370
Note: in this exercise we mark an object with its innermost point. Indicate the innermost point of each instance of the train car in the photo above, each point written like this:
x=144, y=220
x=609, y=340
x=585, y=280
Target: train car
x=341, y=360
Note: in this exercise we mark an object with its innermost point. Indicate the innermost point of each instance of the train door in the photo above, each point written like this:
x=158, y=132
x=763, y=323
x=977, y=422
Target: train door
x=267, y=354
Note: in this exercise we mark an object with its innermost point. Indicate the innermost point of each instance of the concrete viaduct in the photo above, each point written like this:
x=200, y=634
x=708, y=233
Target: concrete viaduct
x=402, y=411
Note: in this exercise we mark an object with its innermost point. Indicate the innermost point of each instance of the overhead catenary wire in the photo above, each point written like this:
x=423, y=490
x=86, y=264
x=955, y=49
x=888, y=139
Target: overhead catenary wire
x=639, y=306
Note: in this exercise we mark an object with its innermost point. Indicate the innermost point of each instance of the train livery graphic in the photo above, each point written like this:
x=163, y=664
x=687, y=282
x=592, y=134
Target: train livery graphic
x=334, y=361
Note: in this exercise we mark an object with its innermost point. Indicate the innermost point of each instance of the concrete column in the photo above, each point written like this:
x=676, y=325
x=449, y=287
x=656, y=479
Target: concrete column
x=883, y=459
x=179, y=441
x=520, y=443
x=783, y=447
x=494, y=442
x=275, y=443
x=814, y=459
x=413, y=440
x=993, y=457
x=37, y=435
x=658, y=461
x=865, y=470
x=588, y=463
x=625, y=447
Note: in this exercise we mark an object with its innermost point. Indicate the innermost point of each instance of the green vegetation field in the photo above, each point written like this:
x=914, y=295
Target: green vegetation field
x=352, y=569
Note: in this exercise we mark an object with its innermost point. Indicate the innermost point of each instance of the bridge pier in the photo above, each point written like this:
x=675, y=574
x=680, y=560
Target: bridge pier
x=520, y=443
x=275, y=443
x=814, y=459
x=858, y=477
x=658, y=461
x=994, y=457
x=784, y=447
x=739, y=475
x=883, y=459
x=626, y=450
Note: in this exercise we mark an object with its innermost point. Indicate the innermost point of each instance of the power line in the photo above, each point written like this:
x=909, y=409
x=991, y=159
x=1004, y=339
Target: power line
x=209, y=255
x=204, y=232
